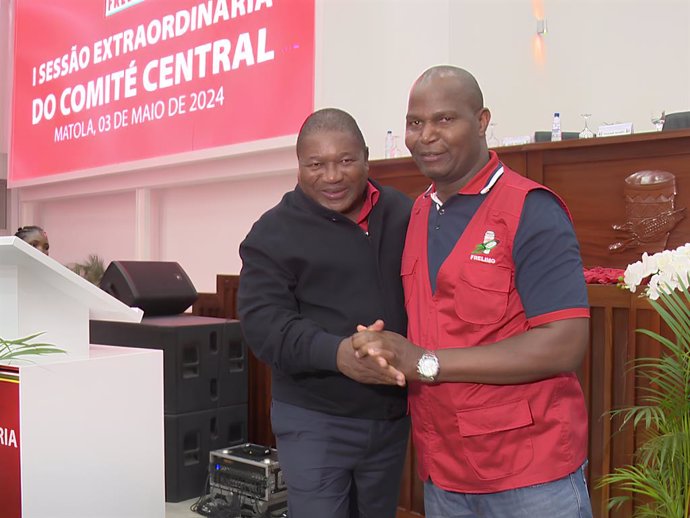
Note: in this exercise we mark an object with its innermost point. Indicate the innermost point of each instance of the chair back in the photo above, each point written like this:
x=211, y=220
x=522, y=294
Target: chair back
x=545, y=136
x=678, y=120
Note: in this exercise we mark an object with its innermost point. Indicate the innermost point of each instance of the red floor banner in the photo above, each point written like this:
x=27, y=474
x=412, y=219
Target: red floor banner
x=11, y=486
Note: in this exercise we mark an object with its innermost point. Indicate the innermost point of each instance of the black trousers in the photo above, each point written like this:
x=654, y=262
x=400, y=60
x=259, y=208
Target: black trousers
x=339, y=467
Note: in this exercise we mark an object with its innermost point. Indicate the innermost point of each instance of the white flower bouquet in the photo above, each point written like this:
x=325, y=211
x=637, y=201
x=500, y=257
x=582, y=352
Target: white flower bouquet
x=659, y=476
x=664, y=271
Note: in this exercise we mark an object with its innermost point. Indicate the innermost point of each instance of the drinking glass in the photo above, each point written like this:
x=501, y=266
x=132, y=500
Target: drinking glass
x=658, y=120
x=586, y=132
x=396, y=151
x=492, y=141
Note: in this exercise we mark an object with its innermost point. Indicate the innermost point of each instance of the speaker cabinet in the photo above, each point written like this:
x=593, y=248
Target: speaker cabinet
x=189, y=440
x=204, y=359
x=157, y=287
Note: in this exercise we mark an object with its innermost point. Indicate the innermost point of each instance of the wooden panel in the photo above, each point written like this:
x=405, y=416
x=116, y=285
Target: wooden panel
x=401, y=173
x=516, y=161
x=608, y=328
x=593, y=192
x=411, y=501
x=208, y=305
x=259, y=426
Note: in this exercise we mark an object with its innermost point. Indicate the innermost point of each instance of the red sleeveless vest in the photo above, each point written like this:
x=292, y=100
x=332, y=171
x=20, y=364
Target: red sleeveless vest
x=476, y=438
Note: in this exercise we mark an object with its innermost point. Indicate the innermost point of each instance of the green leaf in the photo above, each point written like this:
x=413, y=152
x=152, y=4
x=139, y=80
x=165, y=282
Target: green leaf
x=24, y=347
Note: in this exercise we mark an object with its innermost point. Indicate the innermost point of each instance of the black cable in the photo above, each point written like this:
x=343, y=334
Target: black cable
x=218, y=506
x=204, y=493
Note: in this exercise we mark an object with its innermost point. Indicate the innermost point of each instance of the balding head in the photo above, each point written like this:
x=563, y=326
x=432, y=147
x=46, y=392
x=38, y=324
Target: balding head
x=466, y=83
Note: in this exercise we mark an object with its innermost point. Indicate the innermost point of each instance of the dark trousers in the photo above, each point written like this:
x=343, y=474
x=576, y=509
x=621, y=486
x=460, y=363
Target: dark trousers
x=339, y=467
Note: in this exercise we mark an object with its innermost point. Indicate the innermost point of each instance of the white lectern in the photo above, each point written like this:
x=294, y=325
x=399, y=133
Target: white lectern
x=81, y=433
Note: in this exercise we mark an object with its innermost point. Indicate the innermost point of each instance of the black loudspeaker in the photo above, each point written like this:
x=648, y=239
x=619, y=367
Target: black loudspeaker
x=204, y=358
x=157, y=287
x=189, y=440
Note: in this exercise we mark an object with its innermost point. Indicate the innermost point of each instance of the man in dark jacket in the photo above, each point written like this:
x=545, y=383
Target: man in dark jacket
x=323, y=260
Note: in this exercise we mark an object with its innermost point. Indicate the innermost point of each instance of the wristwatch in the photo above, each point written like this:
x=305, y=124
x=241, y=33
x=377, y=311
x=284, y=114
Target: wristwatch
x=427, y=366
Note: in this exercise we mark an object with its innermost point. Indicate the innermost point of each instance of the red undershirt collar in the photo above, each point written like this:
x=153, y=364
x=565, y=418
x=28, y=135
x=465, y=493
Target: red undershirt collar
x=371, y=198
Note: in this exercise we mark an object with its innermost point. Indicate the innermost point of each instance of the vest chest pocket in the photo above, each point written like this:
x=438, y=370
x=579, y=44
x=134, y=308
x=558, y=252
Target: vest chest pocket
x=481, y=294
x=408, y=267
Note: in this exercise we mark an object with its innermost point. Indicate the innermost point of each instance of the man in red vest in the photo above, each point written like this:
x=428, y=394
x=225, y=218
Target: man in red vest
x=498, y=320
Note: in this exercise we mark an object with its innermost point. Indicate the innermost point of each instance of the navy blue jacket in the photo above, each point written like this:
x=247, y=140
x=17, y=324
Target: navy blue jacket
x=309, y=276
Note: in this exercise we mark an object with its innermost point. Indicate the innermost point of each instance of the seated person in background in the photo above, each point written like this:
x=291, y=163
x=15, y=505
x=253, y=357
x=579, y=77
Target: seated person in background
x=35, y=236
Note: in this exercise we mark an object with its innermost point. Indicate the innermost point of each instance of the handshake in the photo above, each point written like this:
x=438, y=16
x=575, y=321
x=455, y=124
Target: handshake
x=373, y=355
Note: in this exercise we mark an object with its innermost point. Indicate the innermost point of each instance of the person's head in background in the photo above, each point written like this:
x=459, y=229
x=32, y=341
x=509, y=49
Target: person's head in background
x=35, y=236
x=333, y=161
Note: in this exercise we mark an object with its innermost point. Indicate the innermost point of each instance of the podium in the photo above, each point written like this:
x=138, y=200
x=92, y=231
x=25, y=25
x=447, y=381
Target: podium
x=81, y=432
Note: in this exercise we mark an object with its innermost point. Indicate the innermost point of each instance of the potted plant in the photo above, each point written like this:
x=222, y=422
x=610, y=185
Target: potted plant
x=660, y=472
x=92, y=269
x=23, y=348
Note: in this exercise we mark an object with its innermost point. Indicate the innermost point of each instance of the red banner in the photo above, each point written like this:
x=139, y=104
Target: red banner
x=11, y=485
x=100, y=82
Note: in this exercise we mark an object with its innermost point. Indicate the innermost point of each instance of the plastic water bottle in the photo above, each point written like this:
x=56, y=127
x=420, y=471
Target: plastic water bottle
x=556, y=128
x=388, y=149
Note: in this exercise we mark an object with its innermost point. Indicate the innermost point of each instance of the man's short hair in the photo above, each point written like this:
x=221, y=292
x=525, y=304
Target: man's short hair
x=330, y=119
x=465, y=78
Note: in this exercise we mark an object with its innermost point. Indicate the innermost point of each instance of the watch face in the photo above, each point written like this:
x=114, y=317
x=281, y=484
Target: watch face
x=428, y=366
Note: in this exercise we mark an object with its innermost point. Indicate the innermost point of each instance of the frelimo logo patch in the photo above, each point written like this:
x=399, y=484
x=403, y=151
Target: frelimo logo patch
x=115, y=6
x=485, y=248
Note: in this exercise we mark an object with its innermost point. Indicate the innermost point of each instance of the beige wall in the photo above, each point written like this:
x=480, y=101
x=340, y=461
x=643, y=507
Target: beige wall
x=616, y=59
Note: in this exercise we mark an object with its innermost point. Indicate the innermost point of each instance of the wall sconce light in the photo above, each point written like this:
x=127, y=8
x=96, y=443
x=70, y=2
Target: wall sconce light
x=542, y=27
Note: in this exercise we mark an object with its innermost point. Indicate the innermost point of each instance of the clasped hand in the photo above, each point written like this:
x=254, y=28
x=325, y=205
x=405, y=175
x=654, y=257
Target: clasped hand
x=391, y=352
